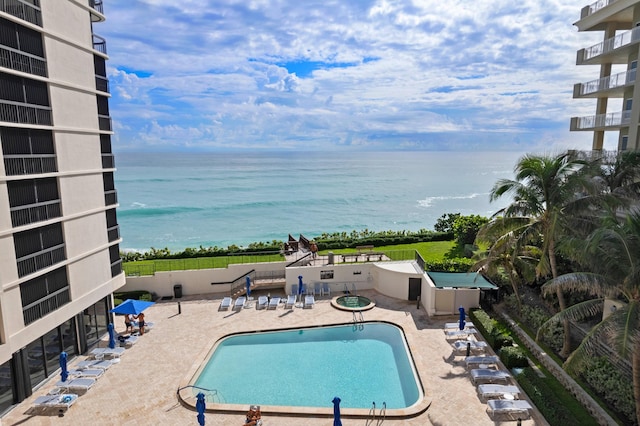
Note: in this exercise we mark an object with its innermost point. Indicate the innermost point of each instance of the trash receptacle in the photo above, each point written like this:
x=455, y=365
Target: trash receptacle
x=177, y=291
x=330, y=258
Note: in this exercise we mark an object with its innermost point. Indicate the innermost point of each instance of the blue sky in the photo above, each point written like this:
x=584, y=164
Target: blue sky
x=328, y=74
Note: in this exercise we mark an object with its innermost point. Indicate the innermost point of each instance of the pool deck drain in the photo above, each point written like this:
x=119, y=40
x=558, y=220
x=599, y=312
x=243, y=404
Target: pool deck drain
x=142, y=388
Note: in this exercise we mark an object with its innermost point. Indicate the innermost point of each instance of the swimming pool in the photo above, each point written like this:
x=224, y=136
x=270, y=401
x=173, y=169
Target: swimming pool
x=365, y=363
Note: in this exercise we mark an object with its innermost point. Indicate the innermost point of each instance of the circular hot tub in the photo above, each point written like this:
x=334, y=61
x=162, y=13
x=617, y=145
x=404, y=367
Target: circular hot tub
x=352, y=303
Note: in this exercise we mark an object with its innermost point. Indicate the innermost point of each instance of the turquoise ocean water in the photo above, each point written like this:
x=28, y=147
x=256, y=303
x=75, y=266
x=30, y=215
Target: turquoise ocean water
x=180, y=200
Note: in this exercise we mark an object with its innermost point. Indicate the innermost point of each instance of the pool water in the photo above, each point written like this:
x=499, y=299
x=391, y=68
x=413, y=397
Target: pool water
x=308, y=367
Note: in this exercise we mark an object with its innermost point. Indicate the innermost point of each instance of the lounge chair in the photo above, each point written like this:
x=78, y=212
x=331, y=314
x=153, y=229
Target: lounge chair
x=326, y=290
x=317, y=289
x=488, y=375
x=294, y=289
x=491, y=391
x=291, y=301
x=461, y=345
x=240, y=302
x=475, y=360
x=60, y=402
x=273, y=303
x=263, y=301
x=460, y=334
x=107, y=352
x=78, y=386
x=309, y=301
x=456, y=325
x=503, y=406
x=94, y=363
x=225, y=304
x=86, y=372
x=129, y=341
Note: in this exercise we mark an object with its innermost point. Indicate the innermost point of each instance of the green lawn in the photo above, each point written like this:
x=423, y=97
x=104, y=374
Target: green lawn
x=430, y=251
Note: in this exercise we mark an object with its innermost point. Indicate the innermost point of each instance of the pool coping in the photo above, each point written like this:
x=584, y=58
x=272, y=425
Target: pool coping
x=335, y=304
x=187, y=399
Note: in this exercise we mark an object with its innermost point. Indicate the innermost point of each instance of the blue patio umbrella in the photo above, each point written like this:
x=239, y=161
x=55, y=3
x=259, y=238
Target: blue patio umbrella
x=131, y=306
x=112, y=336
x=64, y=373
x=336, y=412
x=300, y=286
x=201, y=405
x=462, y=317
x=248, y=286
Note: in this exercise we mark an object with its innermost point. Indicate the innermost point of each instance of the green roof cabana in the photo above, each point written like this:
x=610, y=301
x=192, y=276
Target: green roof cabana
x=460, y=280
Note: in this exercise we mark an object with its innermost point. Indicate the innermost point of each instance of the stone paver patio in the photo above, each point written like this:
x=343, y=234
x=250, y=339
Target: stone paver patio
x=142, y=388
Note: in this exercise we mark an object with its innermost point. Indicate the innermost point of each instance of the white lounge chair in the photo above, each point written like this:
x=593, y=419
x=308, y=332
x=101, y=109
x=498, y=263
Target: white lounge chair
x=108, y=352
x=461, y=345
x=488, y=375
x=273, y=303
x=504, y=406
x=129, y=341
x=309, y=301
x=326, y=290
x=291, y=301
x=87, y=372
x=460, y=334
x=262, y=302
x=240, y=302
x=94, y=363
x=225, y=304
x=456, y=325
x=78, y=386
x=60, y=402
x=491, y=391
x=475, y=360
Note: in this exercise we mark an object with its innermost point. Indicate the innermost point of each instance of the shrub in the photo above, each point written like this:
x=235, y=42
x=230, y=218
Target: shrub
x=607, y=381
x=513, y=357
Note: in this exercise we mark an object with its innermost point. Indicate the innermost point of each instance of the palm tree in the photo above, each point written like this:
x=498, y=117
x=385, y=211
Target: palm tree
x=547, y=192
x=614, y=252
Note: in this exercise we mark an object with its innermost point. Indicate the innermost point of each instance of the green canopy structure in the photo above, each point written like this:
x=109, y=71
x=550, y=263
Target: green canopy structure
x=460, y=280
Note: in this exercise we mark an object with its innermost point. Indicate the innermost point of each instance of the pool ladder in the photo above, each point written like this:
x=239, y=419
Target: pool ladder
x=380, y=417
x=353, y=289
x=358, y=320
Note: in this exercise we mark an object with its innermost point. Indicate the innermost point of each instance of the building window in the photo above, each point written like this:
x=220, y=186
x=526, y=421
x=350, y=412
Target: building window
x=23, y=100
x=33, y=200
x=27, y=10
x=116, y=261
x=38, y=248
x=27, y=151
x=110, y=195
x=113, y=230
x=44, y=294
x=21, y=48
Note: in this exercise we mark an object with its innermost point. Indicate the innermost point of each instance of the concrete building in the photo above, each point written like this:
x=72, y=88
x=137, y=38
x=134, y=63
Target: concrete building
x=617, y=58
x=59, y=236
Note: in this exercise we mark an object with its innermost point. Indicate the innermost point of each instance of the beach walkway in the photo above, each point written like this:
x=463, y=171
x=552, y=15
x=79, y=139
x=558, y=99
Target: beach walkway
x=142, y=388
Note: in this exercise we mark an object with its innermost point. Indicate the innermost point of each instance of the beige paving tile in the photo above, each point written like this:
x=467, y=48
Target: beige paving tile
x=142, y=388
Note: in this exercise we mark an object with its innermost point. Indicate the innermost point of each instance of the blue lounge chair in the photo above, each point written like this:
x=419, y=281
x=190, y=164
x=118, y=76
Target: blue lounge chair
x=326, y=290
x=294, y=289
x=78, y=386
x=93, y=373
x=240, y=302
x=60, y=402
x=475, y=360
x=262, y=302
x=225, y=304
x=309, y=301
x=520, y=407
x=291, y=301
x=488, y=375
x=273, y=303
x=317, y=289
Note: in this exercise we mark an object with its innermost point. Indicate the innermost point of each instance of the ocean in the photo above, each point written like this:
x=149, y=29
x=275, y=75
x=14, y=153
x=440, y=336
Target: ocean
x=180, y=200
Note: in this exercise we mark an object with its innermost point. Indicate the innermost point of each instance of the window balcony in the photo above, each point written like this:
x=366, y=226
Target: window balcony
x=116, y=268
x=24, y=215
x=108, y=161
x=50, y=303
x=16, y=112
x=99, y=44
x=110, y=197
x=113, y=233
x=611, y=121
x=40, y=260
x=97, y=6
x=613, y=85
x=104, y=122
x=20, y=61
x=594, y=7
x=102, y=84
x=28, y=165
x=23, y=10
x=615, y=50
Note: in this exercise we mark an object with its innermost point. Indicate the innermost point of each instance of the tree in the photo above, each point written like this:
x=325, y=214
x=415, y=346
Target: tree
x=465, y=228
x=547, y=191
x=445, y=222
x=614, y=253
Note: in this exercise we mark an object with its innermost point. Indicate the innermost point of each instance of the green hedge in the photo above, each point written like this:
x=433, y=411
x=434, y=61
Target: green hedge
x=513, y=357
x=496, y=334
x=118, y=298
x=613, y=387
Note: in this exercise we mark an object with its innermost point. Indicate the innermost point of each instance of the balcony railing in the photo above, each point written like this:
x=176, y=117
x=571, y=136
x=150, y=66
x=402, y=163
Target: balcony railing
x=102, y=84
x=110, y=197
x=614, y=119
x=611, y=44
x=99, y=44
x=108, y=161
x=15, y=112
x=23, y=10
x=116, y=268
x=50, y=303
x=606, y=83
x=28, y=165
x=20, y=61
x=40, y=260
x=593, y=8
x=104, y=122
x=97, y=5
x=24, y=215
x=113, y=233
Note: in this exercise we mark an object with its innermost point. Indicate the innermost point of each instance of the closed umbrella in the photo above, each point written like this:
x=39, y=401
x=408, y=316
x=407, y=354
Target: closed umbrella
x=300, y=286
x=112, y=336
x=336, y=412
x=64, y=373
x=248, y=286
x=462, y=317
x=201, y=405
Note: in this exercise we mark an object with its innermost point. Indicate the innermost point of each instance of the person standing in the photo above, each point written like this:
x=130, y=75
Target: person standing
x=140, y=318
x=127, y=323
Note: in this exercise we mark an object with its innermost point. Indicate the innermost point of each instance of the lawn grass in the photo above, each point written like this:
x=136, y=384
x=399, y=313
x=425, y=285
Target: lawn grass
x=431, y=251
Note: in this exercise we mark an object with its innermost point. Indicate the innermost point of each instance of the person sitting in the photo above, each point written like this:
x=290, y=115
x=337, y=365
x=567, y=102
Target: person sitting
x=253, y=416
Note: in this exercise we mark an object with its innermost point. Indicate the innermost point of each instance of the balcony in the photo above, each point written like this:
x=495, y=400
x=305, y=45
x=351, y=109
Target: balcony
x=108, y=161
x=23, y=10
x=593, y=8
x=96, y=5
x=615, y=50
x=113, y=233
x=28, y=165
x=50, y=303
x=102, y=84
x=613, y=85
x=24, y=215
x=110, y=197
x=104, y=122
x=99, y=44
x=16, y=112
x=40, y=260
x=116, y=268
x=611, y=121
x=20, y=61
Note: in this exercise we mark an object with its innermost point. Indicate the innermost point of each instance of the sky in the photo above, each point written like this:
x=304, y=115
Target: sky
x=202, y=75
